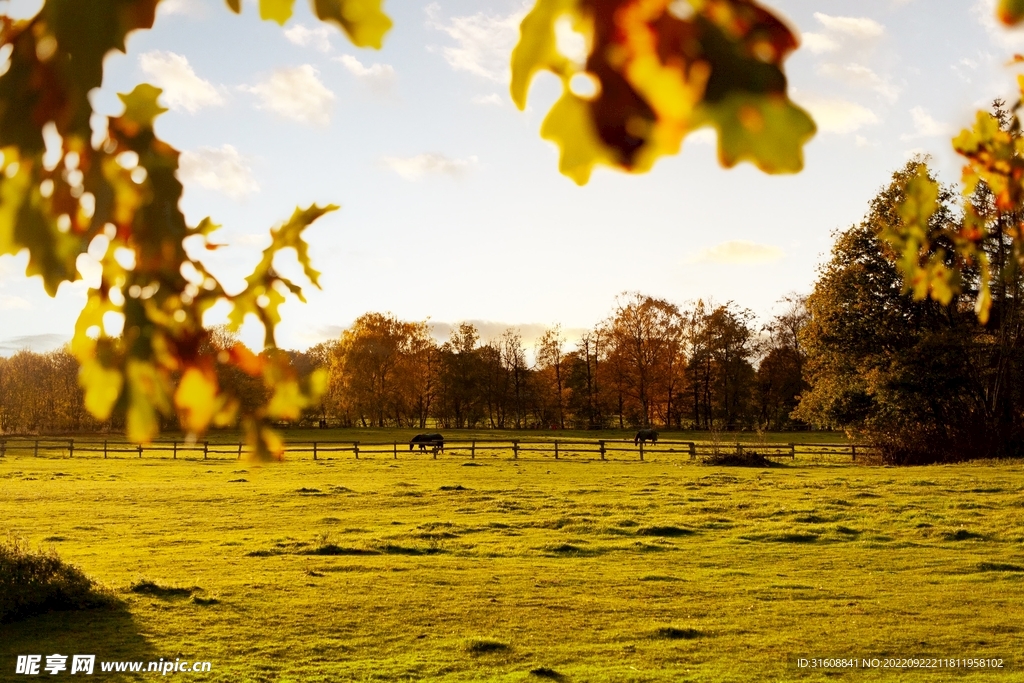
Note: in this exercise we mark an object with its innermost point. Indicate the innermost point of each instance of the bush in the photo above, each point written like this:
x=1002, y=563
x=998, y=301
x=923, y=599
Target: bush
x=36, y=582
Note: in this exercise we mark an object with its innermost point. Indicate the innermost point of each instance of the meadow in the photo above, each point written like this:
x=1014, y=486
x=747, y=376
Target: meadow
x=526, y=570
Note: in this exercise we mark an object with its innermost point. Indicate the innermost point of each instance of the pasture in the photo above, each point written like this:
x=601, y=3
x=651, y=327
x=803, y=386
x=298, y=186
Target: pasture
x=531, y=570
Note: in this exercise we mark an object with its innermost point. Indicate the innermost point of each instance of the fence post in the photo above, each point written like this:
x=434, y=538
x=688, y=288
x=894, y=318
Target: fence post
x=641, y=450
x=104, y=449
x=3, y=448
x=556, y=449
x=515, y=449
x=693, y=451
x=355, y=447
x=71, y=448
x=601, y=444
x=240, y=451
x=175, y=450
x=314, y=450
x=140, y=450
x=792, y=451
x=739, y=449
x=853, y=448
x=472, y=449
x=206, y=449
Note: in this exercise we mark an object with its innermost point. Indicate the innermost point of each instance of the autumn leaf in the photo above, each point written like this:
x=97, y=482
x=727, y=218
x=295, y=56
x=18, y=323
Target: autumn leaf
x=363, y=21
x=662, y=70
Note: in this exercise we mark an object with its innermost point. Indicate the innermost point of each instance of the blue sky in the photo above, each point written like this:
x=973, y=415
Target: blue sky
x=452, y=206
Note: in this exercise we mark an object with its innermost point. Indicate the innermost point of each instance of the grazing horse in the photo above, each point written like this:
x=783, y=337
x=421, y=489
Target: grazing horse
x=434, y=441
x=645, y=435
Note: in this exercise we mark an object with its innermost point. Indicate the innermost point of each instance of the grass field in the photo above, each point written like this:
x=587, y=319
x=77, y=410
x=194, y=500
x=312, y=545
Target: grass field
x=533, y=570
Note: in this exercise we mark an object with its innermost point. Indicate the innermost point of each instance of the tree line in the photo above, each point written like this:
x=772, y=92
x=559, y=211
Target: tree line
x=650, y=363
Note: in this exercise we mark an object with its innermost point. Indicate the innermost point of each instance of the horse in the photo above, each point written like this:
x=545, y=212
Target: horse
x=435, y=441
x=645, y=435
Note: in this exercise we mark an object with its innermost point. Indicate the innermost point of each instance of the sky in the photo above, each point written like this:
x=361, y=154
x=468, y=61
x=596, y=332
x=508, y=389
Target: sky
x=452, y=205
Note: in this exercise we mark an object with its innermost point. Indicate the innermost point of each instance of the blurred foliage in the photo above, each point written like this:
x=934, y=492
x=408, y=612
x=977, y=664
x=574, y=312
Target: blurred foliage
x=73, y=183
x=993, y=151
x=656, y=70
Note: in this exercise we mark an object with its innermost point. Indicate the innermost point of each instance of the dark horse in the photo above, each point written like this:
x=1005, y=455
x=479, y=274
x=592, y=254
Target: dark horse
x=645, y=435
x=434, y=441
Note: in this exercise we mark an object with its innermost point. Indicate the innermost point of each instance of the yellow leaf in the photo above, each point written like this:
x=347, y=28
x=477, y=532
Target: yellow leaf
x=569, y=126
x=276, y=10
x=196, y=400
x=141, y=106
x=287, y=402
x=146, y=395
x=537, y=48
x=362, y=20
x=102, y=387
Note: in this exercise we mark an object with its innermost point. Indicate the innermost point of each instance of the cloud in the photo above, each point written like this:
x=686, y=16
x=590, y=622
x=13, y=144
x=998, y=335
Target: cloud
x=858, y=28
x=414, y=168
x=222, y=169
x=295, y=93
x=861, y=76
x=39, y=343
x=378, y=77
x=493, y=99
x=482, y=41
x=318, y=37
x=835, y=115
x=183, y=89
x=181, y=7
x=11, y=303
x=819, y=43
x=738, y=252
x=926, y=127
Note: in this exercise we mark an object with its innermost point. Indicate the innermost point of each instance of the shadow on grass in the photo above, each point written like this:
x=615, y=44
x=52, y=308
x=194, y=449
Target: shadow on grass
x=109, y=633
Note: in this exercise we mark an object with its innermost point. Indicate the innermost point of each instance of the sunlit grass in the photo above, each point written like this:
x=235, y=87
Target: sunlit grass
x=422, y=569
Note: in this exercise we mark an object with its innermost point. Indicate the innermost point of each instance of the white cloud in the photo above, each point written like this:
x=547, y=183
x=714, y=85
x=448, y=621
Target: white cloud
x=183, y=89
x=835, y=115
x=704, y=136
x=483, y=41
x=182, y=7
x=926, y=127
x=819, y=43
x=318, y=37
x=861, y=76
x=222, y=169
x=739, y=252
x=494, y=98
x=10, y=303
x=296, y=94
x=414, y=168
x=378, y=77
x=859, y=28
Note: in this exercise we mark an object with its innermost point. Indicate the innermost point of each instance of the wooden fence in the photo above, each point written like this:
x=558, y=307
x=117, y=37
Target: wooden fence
x=558, y=449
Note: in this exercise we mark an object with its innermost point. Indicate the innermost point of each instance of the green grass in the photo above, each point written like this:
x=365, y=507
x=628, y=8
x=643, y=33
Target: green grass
x=422, y=569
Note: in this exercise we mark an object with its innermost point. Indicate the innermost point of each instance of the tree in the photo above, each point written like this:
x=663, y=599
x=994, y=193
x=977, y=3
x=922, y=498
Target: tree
x=644, y=334
x=917, y=377
x=551, y=371
x=661, y=71
x=780, y=374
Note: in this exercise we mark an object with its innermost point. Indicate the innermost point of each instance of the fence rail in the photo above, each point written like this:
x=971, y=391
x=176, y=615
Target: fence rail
x=603, y=449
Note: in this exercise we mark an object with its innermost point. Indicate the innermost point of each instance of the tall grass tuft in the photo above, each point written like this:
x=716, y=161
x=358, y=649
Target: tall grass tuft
x=35, y=582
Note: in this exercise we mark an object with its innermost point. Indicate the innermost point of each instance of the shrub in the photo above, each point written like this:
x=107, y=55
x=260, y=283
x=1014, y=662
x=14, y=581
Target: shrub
x=35, y=582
